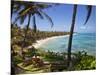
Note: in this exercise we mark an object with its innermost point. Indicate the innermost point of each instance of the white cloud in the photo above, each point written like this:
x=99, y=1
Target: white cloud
x=83, y=27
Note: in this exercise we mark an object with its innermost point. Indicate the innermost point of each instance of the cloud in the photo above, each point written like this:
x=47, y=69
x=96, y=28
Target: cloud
x=83, y=27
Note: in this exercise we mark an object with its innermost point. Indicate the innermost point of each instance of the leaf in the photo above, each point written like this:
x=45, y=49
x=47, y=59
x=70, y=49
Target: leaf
x=39, y=15
x=24, y=11
x=89, y=10
x=22, y=19
x=48, y=18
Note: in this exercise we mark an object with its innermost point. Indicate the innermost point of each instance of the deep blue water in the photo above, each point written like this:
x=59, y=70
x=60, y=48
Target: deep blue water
x=81, y=41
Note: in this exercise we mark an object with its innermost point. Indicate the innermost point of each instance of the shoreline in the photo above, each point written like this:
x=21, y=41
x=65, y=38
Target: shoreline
x=43, y=41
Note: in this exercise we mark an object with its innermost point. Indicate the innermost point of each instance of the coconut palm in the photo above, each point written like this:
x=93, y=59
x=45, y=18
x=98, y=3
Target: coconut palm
x=89, y=10
x=30, y=10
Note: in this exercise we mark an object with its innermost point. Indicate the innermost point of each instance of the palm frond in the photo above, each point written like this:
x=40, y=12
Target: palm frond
x=43, y=6
x=24, y=11
x=29, y=18
x=16, y=9
x=89, y=10
x=39, y=15
x=15, y=6
x=16, y=19
x=22, y=19
x=48, y=17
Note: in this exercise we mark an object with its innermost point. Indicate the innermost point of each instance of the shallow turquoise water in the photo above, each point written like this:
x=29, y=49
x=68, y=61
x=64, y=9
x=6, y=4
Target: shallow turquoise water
x=81, y=41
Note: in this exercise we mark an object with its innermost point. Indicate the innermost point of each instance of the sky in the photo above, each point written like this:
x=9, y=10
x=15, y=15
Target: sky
x=62, y=16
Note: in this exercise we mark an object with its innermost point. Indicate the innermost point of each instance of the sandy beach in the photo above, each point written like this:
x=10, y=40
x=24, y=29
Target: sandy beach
x=42, y=41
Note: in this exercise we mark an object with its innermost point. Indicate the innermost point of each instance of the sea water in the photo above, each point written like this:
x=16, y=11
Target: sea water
x=81, y=41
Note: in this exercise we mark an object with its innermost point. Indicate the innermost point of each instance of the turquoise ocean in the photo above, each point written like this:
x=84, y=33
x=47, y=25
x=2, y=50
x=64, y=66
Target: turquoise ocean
x=81, y=41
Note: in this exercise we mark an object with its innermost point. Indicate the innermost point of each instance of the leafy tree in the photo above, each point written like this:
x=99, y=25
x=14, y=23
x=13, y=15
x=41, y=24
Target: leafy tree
x=30, y=9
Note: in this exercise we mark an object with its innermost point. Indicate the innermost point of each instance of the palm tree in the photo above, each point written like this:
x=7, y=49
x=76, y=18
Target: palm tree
x=30, y=9
x=89, y=9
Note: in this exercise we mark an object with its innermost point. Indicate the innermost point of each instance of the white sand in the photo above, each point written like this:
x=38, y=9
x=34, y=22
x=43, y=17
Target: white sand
x=43, y=41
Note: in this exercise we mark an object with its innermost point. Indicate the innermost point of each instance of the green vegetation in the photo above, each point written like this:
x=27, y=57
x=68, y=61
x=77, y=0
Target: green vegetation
x=55, y=62
x=17, y=35
x=31, y=60
x=84, y=61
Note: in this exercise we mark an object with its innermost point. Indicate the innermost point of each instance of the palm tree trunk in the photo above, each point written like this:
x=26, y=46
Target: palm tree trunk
x=12, y=4
x=71, y=34
x=34, y=20
x=12, y=62
x=35, y=29
x=22, y=53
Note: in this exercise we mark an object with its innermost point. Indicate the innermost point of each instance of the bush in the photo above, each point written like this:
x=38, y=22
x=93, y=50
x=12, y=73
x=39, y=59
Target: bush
x=85, y=62
x=17, y=59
